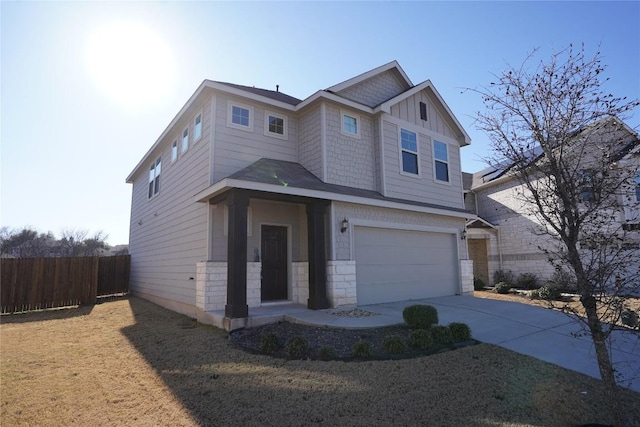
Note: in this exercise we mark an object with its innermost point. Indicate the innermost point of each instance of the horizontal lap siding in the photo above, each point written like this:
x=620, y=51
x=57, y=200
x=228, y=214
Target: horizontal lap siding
x=423, y=188
x=236, y=149
x=171, y=237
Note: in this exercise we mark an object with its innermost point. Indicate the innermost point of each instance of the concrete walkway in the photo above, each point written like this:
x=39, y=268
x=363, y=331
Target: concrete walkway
x=538, y=332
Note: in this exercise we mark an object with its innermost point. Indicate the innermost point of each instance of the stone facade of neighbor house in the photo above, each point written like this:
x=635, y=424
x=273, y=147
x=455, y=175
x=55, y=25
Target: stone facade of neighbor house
x=252, y=197
x=504, y=235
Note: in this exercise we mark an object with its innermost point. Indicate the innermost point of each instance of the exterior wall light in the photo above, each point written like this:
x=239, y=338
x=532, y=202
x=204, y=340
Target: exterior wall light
x=463, y=235
x=344, y=225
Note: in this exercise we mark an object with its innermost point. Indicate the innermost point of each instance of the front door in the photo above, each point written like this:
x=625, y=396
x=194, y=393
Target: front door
x=274, y=263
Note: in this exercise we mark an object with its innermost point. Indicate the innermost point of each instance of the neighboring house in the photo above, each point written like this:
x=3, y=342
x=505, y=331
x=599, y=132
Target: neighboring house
x=503, y=237
x=351, y=196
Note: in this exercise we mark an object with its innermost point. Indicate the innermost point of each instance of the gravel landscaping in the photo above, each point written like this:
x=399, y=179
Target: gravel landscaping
x=130, y=362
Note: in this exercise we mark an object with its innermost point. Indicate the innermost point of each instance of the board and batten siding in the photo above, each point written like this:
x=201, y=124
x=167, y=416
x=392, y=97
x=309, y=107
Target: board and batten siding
x=408, y=110
x=236, y=149
x=350, y=160
x=422, y=188
x=310, y=142
x=168, y=233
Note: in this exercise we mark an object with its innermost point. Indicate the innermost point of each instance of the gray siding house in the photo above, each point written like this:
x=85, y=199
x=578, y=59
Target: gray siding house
x=506, y=237
x=351, y=196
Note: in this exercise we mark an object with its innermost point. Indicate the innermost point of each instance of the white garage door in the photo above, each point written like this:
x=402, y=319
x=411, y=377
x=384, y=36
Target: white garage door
x=398, y=265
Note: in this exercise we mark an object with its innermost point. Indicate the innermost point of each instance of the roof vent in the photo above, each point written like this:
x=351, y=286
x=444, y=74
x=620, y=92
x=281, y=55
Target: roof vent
x=277, y=88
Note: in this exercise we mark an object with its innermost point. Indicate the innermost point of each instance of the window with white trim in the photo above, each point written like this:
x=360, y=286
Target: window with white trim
x=239, y=116
x=275, y=125
x=154, y=177
x=440, y=161
x=586, y=185
x=185, y=139
x=409, y=151
x=197, y=127
x=350, y=124
x=174, y=150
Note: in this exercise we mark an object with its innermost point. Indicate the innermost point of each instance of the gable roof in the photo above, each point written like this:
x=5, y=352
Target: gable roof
x=393, y=65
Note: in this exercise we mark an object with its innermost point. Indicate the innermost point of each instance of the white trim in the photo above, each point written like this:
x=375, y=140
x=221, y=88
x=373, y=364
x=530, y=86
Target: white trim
x=448, y=163
x=285, y=125
x=416, y=153
x=226, y=183
x=197, y=138
x=231, y=124
x=212, y=138
x=383, y=170
x=321, y=94
x=174, y=156
x=184, y=147
x=356, y=117
x=368, y=74
x=323, y=139
x=418, y=129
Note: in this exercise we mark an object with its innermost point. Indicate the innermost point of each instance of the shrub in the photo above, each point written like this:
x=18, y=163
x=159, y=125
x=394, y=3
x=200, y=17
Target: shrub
x=420, y=316
x=547, y=292
x=527, y=281
x=502, y=287
x=478, y=284
x=393, y=344
x=297, y=346
x=327, y=353
x=362, y=349
x=420, y=339
x=629, y=318
x=505, y=276
x=269, y=342
x=562, y=279
x=441, y=335
x=460, y=332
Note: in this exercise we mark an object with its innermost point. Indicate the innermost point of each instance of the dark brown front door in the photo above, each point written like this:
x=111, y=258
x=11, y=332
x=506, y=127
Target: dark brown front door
x=274, y=263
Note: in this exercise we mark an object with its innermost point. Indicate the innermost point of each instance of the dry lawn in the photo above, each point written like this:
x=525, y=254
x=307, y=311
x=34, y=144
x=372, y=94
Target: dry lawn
x=129, y=362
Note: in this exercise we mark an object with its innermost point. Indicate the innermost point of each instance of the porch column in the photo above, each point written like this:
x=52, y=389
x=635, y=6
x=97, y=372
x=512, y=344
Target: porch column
x=237, y=203
x=317, y=256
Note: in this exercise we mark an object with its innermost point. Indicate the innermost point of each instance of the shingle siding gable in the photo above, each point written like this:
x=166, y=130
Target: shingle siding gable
x=375, y=90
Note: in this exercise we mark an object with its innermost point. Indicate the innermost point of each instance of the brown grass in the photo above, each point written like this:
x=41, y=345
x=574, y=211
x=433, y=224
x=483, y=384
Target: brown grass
x=129, y=362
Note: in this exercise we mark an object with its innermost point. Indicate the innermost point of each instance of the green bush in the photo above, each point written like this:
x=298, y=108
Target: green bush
x=629, y=318
x=547, y=292
x=478, y=284
x=327, y=353
x=441, y=335
x=420, y=316
x=505, y=276
x=269, y=342
x=502, y=287
x=420, y=339
x=460, y=332
x=527, y=281
x=362, y=349
x=297, y=346
x=393, y=344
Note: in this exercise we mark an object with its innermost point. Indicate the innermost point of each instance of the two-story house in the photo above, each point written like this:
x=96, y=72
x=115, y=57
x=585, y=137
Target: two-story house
x=506, y=236
x=350, y=196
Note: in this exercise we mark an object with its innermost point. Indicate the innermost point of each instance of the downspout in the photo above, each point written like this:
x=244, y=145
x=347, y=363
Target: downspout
x=499, y=247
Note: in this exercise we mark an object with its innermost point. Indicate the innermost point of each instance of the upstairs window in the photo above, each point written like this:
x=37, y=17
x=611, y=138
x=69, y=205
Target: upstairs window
x=586, y=185
x=409, y=151
x=197, y=127
x=240, y=116
x=275, y=125
x=154, y=177
x=441, y=161
x=174, y=150
x=637, y=182
x=185, y=139
x=350, y=125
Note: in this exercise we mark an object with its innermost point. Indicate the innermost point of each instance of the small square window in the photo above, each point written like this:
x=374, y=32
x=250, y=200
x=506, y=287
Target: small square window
x=240, y=116
x=276, y=125
x=441, y=161
x=185, y=139
x=197, y=128
x=174, y=150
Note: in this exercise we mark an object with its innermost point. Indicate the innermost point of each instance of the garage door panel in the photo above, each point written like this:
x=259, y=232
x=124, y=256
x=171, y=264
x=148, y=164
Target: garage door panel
x=396, y=265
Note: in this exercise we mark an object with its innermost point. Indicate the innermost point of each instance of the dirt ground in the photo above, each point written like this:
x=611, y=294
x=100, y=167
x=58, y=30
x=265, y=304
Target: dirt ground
x=129, y=362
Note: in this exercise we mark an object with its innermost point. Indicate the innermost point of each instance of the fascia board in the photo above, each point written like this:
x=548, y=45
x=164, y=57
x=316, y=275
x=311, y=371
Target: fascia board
x=228, y=183
x=368, y=74
x=321, y=94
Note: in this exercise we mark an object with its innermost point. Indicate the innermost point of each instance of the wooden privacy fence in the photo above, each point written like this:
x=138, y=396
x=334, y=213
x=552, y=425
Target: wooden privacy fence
x=39, y=283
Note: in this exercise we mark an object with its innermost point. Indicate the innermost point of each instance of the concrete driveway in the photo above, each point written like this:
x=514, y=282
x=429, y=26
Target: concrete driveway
x=538, y=332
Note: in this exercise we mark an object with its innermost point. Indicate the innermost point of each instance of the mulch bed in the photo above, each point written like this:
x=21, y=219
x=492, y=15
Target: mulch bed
x=339, y=339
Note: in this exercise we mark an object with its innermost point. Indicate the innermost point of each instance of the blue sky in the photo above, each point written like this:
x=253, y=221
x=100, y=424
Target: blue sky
x=81, y=103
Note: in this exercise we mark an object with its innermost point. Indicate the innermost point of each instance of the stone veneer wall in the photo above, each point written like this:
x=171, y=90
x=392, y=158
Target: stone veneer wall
x=341, y=283
x=466, y=276
x=300, y=282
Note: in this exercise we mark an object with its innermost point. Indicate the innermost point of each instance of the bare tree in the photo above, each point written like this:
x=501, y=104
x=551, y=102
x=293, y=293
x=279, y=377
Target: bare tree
x=556, y=130
x=75, y=242
x=26, y=243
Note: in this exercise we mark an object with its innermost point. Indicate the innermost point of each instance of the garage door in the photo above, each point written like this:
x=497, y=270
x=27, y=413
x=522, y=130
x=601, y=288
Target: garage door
x=397, y=265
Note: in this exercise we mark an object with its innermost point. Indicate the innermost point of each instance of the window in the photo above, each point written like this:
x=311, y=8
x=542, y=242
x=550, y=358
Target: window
x=637, y=182
x=239, y=116
x=197, y=127
x=350, y=124
x=441, y=161
x=409, y=151
x=185, y=139
x=174, y=150
x=423, y=111
x=586, y=185
x=154, y=177
x=275, y=125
